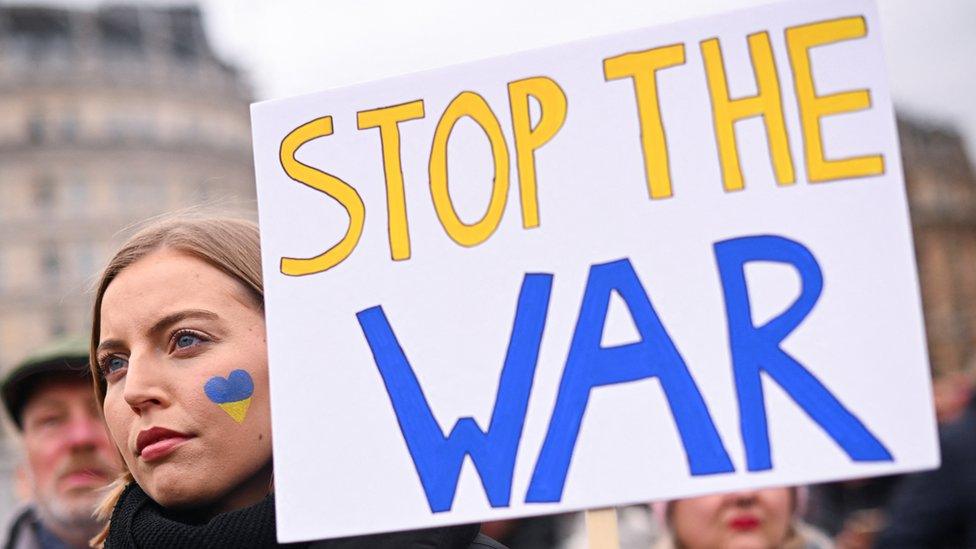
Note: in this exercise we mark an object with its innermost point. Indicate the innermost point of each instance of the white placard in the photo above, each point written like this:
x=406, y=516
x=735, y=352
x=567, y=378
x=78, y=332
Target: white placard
x=640, y=267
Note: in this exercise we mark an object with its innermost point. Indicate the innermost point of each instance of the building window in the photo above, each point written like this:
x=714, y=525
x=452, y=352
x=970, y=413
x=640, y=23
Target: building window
x=186, y=29
x=51, y=266
x=131, y=126
x=120, y=31
x=77, y=193
x=69, y=127
x=44, y=193
x=35, y=128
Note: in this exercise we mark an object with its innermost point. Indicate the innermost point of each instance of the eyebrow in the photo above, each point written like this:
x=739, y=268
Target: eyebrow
x=161, y=325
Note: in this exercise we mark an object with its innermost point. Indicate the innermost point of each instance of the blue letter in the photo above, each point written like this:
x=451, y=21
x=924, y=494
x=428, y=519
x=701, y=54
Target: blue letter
x=438, y=458
x=757, y=349
x=590, y=365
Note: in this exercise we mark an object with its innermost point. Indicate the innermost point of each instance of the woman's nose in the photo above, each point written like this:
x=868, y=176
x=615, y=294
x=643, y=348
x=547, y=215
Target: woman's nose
x=744, y=498
x=144, y=382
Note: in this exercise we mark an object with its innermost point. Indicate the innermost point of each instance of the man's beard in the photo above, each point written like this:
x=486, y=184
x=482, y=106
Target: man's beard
x=72, y=511
x=74, y=515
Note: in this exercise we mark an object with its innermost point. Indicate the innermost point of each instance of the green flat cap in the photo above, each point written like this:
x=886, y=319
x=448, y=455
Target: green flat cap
x=67, y=356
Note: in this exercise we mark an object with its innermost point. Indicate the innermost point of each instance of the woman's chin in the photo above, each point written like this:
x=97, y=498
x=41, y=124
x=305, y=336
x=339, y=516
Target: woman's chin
x=202, y=496
x=176, y=491
x=178, y=498
x=747, y=540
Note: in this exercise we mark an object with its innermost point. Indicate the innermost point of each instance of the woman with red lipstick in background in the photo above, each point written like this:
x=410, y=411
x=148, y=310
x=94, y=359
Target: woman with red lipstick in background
x=180, y=304
x=757, y=519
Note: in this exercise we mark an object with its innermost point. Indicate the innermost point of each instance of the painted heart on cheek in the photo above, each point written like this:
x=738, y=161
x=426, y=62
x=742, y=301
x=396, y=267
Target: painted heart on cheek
x=232, y=394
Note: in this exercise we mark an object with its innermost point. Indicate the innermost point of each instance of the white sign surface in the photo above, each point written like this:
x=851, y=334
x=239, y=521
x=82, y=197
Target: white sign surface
x=646, y=266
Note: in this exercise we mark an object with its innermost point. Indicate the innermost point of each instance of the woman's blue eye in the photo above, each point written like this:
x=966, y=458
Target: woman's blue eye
x=186, y=340
x=115, y=363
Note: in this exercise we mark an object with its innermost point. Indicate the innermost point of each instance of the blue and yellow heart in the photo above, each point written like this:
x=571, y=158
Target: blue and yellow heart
x=232, y=394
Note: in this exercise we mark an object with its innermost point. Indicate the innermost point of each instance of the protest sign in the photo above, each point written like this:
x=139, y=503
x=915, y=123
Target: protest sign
x=646, y=266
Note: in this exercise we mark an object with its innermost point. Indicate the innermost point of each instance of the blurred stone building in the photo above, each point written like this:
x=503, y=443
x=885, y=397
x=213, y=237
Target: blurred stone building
x=941, y=189
x=107, y=117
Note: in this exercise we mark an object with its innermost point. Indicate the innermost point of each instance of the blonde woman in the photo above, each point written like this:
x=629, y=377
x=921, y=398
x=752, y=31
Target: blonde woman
x=180, y=366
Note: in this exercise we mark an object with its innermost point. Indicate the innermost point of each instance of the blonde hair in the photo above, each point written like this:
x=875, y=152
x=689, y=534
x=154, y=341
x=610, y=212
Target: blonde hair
x=228, y=244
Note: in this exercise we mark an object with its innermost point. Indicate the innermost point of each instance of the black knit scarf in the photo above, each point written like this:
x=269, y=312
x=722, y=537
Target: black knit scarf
x=138, y=522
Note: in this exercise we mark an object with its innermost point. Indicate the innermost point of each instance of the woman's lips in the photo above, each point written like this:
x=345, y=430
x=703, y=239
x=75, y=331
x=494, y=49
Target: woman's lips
x=158, y=442
x=744, y=523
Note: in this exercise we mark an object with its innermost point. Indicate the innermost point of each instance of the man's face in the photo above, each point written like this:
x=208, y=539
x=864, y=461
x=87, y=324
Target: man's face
x=68, y=453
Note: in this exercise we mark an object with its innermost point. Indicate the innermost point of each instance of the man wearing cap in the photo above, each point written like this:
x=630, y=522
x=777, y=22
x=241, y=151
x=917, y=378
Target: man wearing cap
x=68, y=455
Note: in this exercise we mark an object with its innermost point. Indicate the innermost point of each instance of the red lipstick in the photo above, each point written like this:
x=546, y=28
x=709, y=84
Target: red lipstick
x=158, y=442
x=744, y=523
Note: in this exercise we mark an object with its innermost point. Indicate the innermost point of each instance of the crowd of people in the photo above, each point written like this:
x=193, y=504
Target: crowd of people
x=121, y=449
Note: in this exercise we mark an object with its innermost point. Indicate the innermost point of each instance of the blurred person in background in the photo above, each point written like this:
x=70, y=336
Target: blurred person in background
x=69, y=459
x=851, y=511
x=937, y=508
x=951, y=394
x=751, y=519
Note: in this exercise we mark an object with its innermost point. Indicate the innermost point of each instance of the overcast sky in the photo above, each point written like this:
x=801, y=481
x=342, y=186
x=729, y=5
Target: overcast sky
x=289, y=47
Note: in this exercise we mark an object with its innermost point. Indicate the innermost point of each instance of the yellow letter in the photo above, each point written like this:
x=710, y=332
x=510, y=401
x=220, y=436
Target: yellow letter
x=552, y=106
x=388, y=119
x=328, y=184
x=799, y=40
x=474, y=106
x=642, y=67
x=766, y=103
